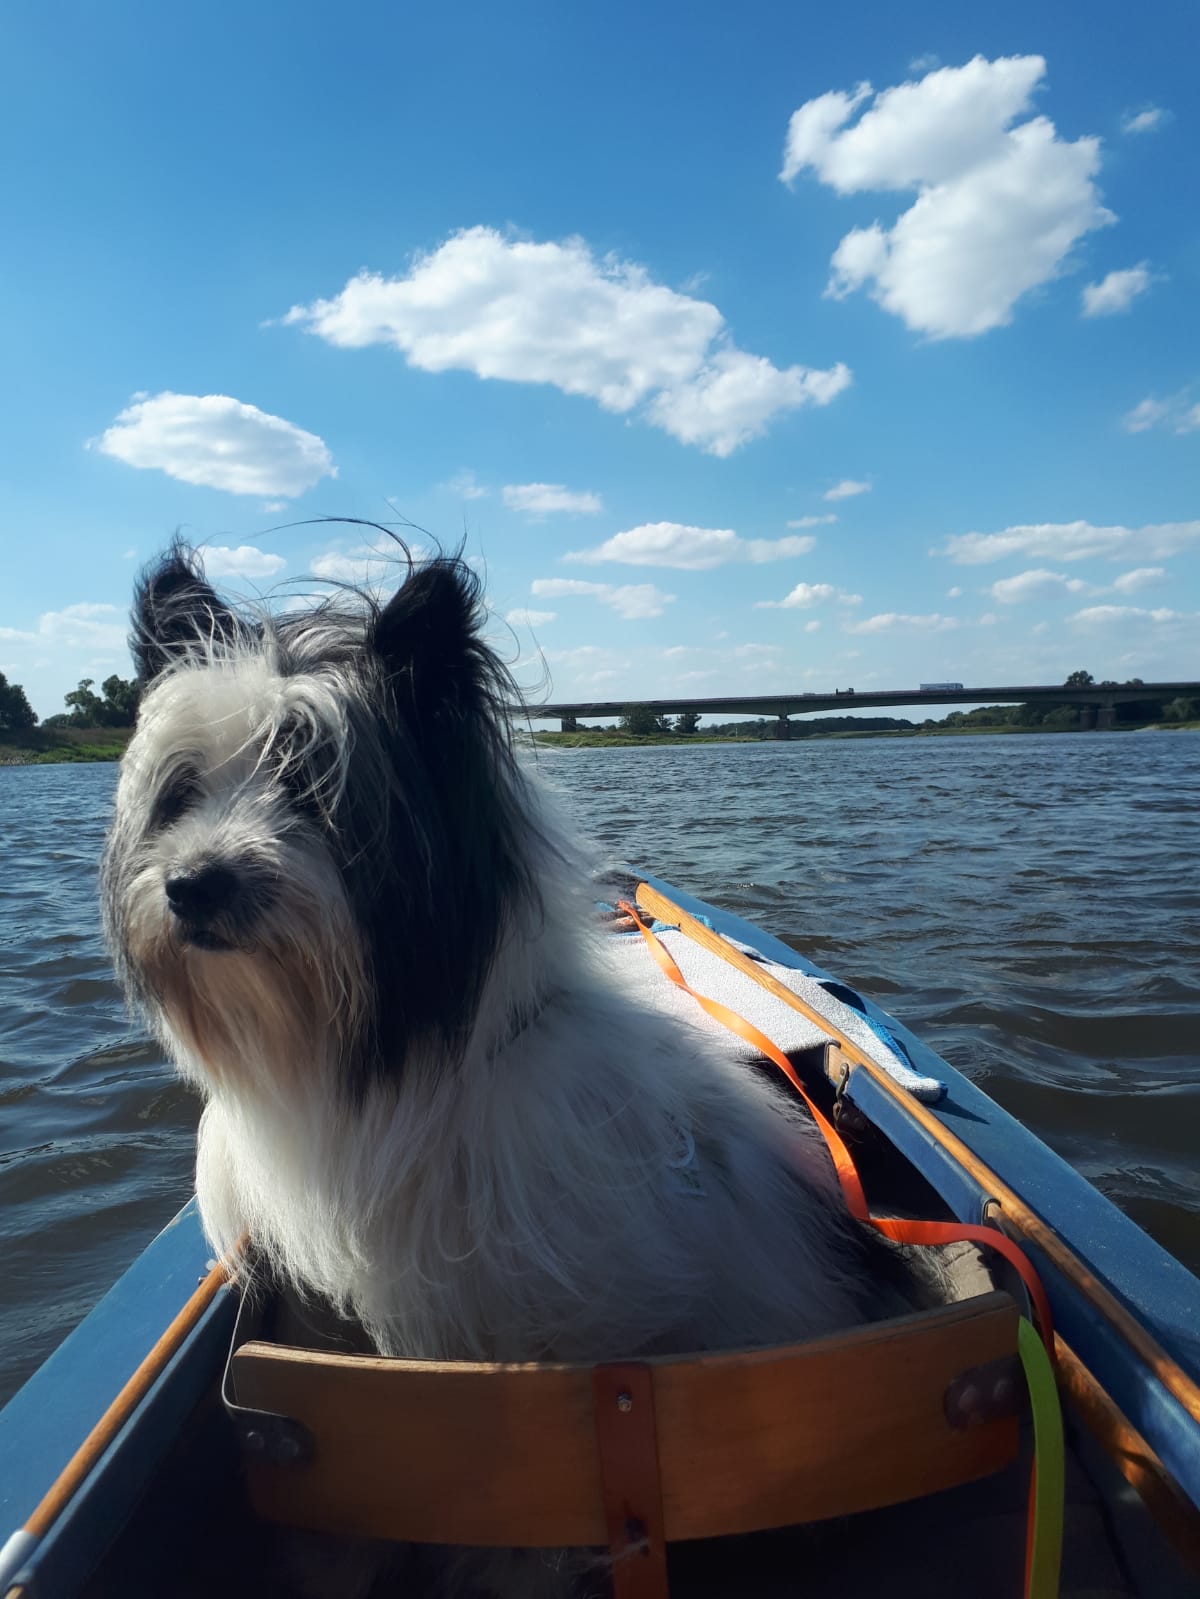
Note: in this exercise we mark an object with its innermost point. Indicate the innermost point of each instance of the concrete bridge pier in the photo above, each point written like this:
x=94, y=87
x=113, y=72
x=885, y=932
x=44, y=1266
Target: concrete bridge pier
x=783, y=728
x=568, y=725
x=1087, y=717
x=1106, y=717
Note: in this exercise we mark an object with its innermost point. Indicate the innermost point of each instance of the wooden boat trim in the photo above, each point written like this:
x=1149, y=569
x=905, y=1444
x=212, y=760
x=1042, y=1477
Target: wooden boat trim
x=1169, y=1373
x=1133, y=1457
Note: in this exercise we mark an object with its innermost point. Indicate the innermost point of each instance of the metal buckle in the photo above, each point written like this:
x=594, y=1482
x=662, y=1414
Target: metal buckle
x=260, y=1433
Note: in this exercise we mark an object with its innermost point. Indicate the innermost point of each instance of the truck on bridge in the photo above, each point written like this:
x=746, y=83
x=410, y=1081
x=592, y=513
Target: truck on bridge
x=932, y=688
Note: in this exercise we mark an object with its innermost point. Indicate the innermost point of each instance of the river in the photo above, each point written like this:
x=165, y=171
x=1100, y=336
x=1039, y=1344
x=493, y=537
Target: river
x=1029, y=905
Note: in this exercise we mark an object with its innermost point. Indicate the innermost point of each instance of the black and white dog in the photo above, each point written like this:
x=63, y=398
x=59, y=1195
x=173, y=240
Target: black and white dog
x=351, y=918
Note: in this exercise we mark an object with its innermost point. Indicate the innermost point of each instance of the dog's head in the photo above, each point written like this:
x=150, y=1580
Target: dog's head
x=320, y=834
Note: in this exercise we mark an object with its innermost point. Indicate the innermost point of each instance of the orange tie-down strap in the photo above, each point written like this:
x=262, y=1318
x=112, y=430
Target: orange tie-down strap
x=901, y=1232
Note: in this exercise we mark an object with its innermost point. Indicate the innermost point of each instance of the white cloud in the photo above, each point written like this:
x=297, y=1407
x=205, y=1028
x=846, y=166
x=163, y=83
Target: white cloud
x=691, y=549
x=634, y=601
x=80, y=626
x=813, y=521
x=373, y=564
x=218, y=442
x=1117, y=291
x=244, y=561
x=1108, y=615
x=812, y=627
x=846, y=490
x=553, y=313
x=754, y=652
x=546, y=499
x=806, y=595
x=801, y=597
x=955, y=593
x=999, y=204
x=1142, y=577
x=272, y=506
x=1034, y=585
x=1144, y=121
x=1174, y=412
x=463, y=484
x=522, y=617
x=1146, y=413
x=1071, y=541
x=897, y=622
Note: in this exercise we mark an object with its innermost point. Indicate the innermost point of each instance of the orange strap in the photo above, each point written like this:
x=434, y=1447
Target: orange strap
x=901, y=1232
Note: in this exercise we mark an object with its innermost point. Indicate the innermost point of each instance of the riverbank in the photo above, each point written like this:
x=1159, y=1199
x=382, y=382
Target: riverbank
x=598, y=738
x=54, y=746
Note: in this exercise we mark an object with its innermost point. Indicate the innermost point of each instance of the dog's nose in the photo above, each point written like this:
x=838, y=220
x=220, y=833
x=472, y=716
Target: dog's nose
x=195, y=896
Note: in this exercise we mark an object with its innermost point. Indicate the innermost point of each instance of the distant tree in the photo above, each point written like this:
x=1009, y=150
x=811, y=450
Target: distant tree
x=688, y=722
x=1080, y=680
x=117, y=707
x=16, y=713
x=86, y=708
x=639, y=720
x=121, y=698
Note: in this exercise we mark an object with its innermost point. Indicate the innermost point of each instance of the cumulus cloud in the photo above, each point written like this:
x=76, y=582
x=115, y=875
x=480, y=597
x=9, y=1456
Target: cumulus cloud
x=464, y=485
x=244, y=561
x=1117, y=291
x=1143, y=121
x=955, y=593
x=691, y=549
x=898, y=622
x=522, y=617
x=375, y=563
x=1174, y=412
x=846, y=489
x=806, y=595
x=999, y=202
x=554, y=313
x=217, y=442
x=1142, y=577
x=1108, y=615
x=546, y=499
x=813, y=521
x=634, y=601
x=1034, y=585
x=85, y=625
x=1071, y=541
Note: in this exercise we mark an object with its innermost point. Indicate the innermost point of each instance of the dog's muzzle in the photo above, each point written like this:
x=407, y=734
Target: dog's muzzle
x=205, y=904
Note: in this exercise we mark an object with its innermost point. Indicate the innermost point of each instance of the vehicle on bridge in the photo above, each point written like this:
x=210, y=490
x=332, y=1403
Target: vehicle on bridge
x=932, y=688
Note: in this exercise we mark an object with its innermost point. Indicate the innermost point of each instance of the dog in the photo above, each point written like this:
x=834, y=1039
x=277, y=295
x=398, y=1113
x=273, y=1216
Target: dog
x=345, y=906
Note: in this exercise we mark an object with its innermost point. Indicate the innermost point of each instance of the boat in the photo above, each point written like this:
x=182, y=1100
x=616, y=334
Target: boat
x=153, y=1452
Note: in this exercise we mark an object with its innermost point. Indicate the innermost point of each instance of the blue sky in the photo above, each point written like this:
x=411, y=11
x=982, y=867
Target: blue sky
x=753, y=346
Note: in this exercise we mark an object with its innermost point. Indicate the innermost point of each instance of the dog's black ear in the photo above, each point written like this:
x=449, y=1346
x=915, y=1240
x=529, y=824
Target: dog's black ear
x=428, y=633
x=175, y=610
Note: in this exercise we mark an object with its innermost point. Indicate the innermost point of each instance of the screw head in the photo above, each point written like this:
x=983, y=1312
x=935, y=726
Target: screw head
x=624, y=1402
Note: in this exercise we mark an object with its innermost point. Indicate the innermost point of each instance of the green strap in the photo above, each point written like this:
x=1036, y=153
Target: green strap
x=1044, y=1549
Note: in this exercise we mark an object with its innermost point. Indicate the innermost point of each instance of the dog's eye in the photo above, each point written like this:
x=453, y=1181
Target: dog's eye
x=180, y=792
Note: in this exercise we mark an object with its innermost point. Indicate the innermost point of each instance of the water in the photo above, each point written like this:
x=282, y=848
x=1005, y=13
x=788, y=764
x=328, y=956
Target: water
x=1029, y=905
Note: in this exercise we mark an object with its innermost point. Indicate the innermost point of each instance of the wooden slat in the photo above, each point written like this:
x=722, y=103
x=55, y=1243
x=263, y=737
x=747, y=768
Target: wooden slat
x=483, y=1454
x=1016, y=1212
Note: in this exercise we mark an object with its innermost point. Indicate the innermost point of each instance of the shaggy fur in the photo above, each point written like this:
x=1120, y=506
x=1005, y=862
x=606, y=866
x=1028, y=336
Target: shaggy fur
x=347, y=913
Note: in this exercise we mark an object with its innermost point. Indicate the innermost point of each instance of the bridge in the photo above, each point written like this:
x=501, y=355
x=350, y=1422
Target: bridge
x=1099, y=699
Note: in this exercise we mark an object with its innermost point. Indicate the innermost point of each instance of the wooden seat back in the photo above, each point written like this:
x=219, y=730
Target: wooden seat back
x=546, y=1455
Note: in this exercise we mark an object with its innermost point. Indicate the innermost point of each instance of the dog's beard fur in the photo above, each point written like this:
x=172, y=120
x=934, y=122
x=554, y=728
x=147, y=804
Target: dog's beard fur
x=429, y=1104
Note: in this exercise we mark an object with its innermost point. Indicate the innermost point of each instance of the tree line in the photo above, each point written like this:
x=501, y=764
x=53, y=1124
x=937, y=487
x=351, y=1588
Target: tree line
x=115, y=706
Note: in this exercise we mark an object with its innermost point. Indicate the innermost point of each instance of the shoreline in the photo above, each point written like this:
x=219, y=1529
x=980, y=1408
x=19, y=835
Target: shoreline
x=85, y=746
x=615, y=740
